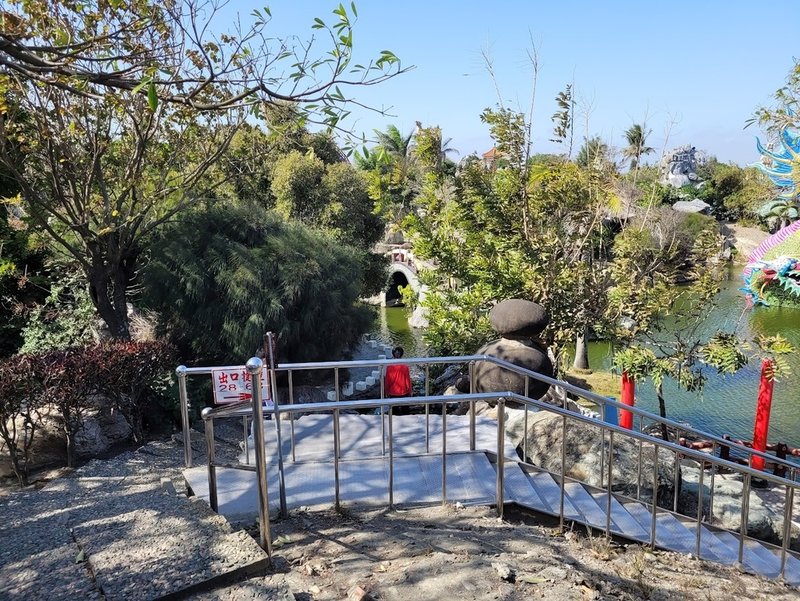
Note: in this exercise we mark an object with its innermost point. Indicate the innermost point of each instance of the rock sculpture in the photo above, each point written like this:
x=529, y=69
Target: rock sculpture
x=679, y=166
x=519, y=323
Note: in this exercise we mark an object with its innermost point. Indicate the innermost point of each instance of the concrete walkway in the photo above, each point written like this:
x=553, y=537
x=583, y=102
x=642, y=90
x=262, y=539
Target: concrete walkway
x=364, y=468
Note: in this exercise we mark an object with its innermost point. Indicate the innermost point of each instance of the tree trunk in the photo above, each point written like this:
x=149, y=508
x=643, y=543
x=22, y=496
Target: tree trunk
x=108, y=291
x=581, y=352
x=662, y=411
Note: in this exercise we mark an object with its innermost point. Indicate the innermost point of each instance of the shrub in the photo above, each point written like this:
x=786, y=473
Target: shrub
x=133, y=375
x=20, y=405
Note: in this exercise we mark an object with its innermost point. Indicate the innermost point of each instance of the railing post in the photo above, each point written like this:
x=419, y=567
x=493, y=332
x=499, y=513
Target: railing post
x=383, y=419
x=273, y=384
x=254, y=366
x=699, y=509
x=609, y=482
x=427, y=409
x=246, y=437
x=471, y=406
x=337, y=445
x=711, y=484
x=291, y=417
x=187, y=437
x=444, y=453
x=563, y=471
x=525, y=436
x=501, y=446
x=655, y=497
x=211, y=456
x=391, y=459
x=745, y=514
x=787, y=527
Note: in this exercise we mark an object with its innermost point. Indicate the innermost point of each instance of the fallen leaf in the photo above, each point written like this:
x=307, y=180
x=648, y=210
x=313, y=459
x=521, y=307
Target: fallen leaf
x=531, y=579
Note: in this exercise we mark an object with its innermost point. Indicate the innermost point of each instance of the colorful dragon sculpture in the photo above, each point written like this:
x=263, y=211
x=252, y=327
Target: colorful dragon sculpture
x=772, y=274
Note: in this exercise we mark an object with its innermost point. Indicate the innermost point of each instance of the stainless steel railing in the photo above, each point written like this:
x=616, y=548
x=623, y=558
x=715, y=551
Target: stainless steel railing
x=601, y=401
x=681, y=453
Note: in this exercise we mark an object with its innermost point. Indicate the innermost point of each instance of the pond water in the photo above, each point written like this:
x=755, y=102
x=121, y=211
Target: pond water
x=727, y=403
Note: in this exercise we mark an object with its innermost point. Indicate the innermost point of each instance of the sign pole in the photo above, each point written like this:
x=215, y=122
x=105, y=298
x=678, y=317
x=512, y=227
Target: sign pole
x=271, y=355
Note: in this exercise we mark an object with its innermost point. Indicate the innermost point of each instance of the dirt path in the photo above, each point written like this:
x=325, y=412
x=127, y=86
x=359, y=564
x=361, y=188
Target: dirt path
x=468, y=554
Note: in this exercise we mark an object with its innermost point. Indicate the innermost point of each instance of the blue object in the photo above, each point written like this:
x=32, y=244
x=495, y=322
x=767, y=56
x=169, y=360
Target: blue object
x=611, y=414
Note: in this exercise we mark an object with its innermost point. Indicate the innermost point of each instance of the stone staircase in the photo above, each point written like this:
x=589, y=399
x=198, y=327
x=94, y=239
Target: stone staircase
x=633, y=520
x=117, y=530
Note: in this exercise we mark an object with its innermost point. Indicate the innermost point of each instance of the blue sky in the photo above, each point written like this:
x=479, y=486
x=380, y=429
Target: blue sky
x=703, y=67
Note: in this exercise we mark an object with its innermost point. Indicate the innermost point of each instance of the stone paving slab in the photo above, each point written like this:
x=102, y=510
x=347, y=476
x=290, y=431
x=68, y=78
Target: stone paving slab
x=141, y=555
x=50, y=575
x=141, y=539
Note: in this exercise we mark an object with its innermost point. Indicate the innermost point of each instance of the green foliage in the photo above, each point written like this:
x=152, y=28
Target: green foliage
x=66, y=318
x=222, y=277
x=333, y=197
x=517, y=231
x=564, y=118
x=735, y=193
x=636, y=137
x=723, y=352
x=22, y=281
x=595, y=154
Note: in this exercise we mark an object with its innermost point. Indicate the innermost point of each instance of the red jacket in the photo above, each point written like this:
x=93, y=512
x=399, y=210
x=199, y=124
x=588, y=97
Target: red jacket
x=398, y=381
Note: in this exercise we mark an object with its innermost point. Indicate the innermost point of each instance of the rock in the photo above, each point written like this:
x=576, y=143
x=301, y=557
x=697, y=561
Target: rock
x=765, y=513
x=504, y=571
x=583, y=448
x=692, y=206
x=518, y=318
x=490, y=377
x=357, y=594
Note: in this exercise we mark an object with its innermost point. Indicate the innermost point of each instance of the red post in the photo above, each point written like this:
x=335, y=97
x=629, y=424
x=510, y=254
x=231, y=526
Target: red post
x=762, y=413
x=628, y=387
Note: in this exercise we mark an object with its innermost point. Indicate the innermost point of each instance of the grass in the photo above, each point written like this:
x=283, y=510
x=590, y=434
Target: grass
x=603, y=383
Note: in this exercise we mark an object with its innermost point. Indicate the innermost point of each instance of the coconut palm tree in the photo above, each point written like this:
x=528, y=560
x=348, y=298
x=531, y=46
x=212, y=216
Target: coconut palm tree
x=636, y=136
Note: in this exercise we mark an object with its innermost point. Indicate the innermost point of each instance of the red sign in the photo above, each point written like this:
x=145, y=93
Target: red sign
x=234, y=385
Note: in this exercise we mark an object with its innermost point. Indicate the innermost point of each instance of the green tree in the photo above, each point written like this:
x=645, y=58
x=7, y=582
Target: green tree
x=636, y=139
x=132, y=103
x=595, y=154
x=99, y=176
x=221, y=277
x=517, y=232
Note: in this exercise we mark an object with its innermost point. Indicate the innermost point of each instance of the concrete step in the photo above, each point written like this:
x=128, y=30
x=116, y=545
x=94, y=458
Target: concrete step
x=622, y=522
x=549, y=491
x=593, y=515
x=671, y=533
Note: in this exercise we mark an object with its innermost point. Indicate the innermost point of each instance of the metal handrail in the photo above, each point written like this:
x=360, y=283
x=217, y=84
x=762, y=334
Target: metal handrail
x=184, y=371
x=333, y=406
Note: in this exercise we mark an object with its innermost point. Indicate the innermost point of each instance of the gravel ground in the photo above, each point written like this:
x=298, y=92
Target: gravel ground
x=113, y=507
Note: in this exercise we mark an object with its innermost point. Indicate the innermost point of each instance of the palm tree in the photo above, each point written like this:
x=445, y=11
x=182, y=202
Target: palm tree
x=395, y=144
x=636, y=136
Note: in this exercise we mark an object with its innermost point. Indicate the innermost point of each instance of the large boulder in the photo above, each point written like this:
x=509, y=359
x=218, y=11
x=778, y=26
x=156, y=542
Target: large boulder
x=490, y=377
x=765, y=506
x=518, y=318
x=584, y=448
